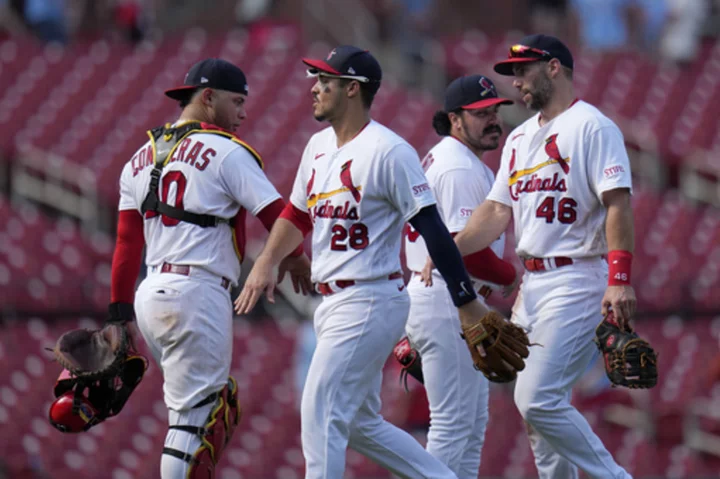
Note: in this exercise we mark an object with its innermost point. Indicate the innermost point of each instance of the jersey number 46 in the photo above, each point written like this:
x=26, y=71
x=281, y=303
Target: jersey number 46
x=565, y=214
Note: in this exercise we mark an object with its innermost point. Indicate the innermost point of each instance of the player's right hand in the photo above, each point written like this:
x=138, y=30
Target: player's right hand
x=299, y=269
x=261, y=279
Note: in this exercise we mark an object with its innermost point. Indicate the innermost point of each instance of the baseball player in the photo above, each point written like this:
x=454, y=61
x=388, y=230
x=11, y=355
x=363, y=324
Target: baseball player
x=565, y=179
x=185, y=194
x=460, y=181
x=358, y=183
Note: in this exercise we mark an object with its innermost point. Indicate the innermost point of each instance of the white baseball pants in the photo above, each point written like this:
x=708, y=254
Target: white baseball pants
x=560, y=309
x=457, y=393
x=356, y=329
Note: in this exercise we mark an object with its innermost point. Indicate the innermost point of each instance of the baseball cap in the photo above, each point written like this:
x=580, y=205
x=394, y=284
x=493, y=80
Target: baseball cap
x=347, y=61
x=472, y=93
x=535, y=48
x=211, y=73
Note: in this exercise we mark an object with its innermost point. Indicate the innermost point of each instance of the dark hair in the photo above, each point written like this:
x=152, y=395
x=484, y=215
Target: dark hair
x=441, y=121
x=367, y=91
x=188, y=98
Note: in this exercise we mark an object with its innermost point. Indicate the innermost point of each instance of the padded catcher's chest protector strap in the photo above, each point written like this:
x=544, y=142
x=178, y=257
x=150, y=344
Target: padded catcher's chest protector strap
x=164, y=140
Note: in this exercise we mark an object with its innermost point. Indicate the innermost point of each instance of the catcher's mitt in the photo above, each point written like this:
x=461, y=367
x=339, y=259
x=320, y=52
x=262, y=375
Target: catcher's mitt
x=101, y=370
x=630, y=361
x=506, y=346
x=93, y=354
x=410, y=360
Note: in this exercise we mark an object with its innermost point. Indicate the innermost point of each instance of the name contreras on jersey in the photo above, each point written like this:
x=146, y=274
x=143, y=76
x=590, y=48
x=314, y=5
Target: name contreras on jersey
x=535, y=183
x=330, y=211
x=196, y=155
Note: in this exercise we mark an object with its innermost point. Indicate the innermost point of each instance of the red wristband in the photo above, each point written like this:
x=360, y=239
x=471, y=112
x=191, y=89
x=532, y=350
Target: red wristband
x=619, y=266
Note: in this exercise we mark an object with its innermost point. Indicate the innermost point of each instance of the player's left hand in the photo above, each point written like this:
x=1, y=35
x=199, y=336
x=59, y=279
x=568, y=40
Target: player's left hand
x=261, y=279
x=470, y=315
x=622, y=301
x=299, y=269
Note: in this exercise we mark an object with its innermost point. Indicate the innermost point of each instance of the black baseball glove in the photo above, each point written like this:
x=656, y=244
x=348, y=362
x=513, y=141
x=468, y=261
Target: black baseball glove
x=630, y=361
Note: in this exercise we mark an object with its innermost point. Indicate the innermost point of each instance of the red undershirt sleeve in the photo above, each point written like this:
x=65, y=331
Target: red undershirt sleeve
x=272, y=212
x=487, y=266
x=127, y=256
x=301, y=219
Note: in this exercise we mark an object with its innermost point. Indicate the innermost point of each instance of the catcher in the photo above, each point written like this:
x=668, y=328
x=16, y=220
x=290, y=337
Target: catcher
x=184, y=196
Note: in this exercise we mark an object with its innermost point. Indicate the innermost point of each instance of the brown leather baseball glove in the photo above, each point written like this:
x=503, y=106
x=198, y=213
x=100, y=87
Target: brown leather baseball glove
x=506, y=346
x=93, y=354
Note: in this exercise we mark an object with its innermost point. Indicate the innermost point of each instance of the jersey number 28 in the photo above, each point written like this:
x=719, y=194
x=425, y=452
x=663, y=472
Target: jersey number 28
x=356, y=237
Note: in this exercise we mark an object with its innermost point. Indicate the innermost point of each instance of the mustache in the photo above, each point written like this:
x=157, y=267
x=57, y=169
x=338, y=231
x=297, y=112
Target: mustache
x=492, y=129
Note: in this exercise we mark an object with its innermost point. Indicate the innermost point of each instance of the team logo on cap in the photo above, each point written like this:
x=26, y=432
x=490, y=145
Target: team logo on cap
x=330, y=55
x=487, y=86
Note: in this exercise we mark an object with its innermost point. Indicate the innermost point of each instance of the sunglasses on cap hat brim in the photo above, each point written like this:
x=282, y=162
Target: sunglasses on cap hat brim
x=319, y=67
x=521, y=54
x=314, y=73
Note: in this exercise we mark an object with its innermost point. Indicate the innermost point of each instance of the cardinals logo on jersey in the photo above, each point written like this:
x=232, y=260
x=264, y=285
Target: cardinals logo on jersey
x=553, y=152
x=347, y=182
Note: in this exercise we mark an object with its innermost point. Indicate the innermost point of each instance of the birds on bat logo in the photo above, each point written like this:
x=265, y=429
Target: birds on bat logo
x=487, y=86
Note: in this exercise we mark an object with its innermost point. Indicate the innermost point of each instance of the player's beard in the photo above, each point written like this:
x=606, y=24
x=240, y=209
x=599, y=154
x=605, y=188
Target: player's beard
x=483, y=141
x=542, y=91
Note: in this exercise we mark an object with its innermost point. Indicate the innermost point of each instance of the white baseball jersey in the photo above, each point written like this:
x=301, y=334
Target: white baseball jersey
x=553, y=177
x=358, y=197
x=460, y=182
x=207, y=174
